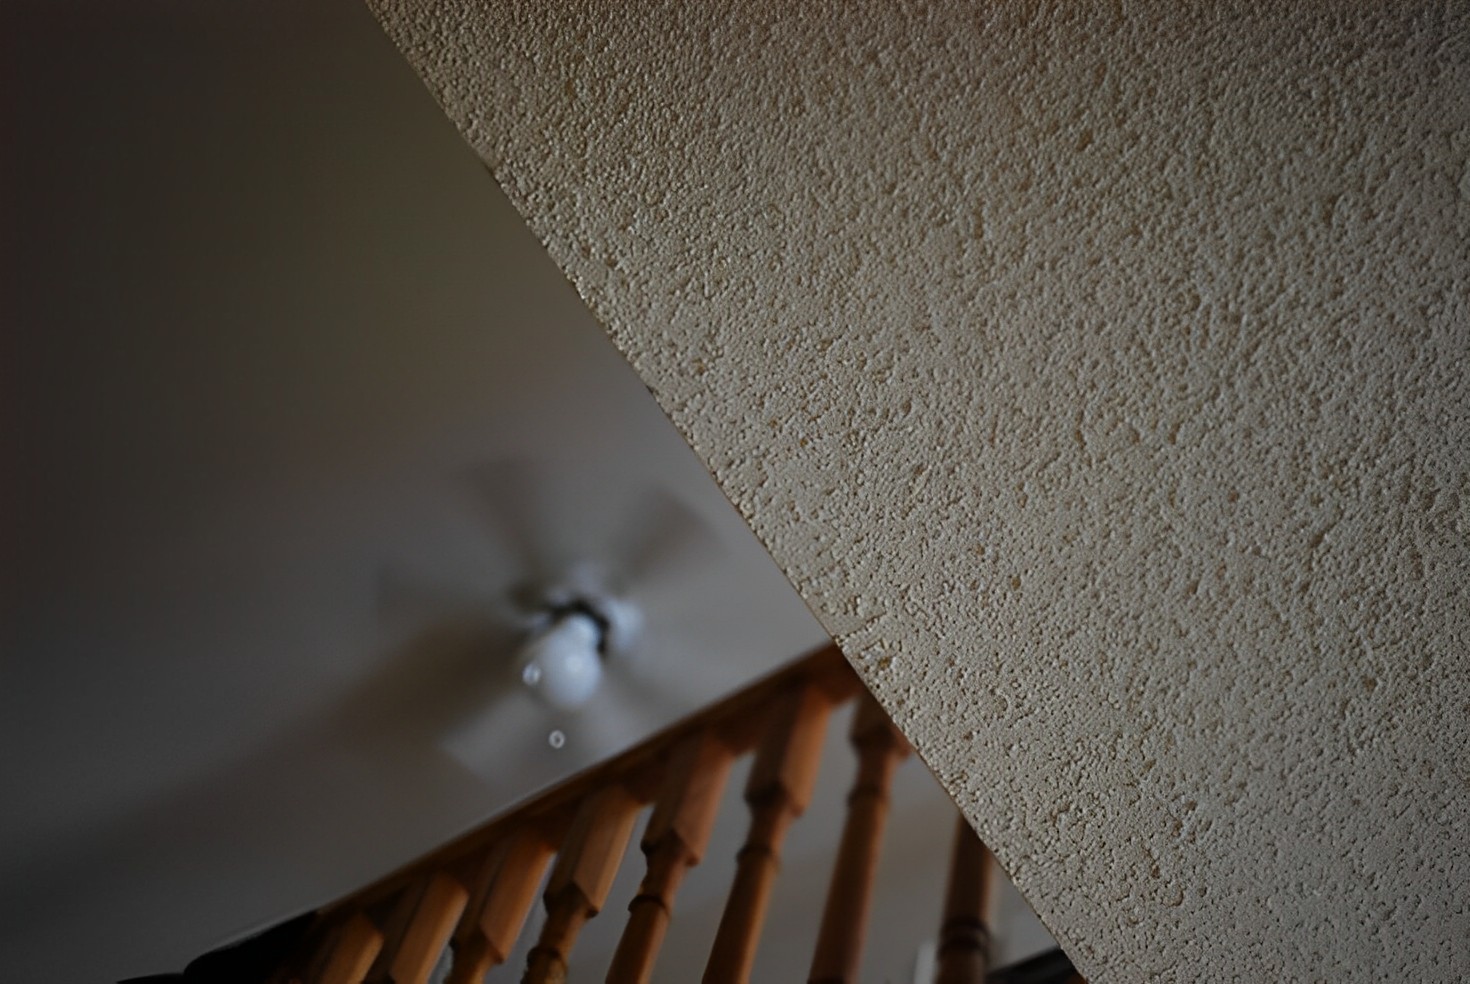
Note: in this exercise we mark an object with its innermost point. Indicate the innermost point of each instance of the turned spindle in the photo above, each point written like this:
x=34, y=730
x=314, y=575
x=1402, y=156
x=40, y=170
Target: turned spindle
x=779, y=788
x=674, y=841
x=346, y=953
x=581, y=879
x=505, y=890
x=880, y=747
x=417, y=930
x=964, y=936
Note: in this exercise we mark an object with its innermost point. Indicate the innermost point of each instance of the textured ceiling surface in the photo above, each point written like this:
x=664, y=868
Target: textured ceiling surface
x=1099, y=378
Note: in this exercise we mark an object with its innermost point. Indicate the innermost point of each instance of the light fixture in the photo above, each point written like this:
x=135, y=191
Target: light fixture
x=578, y=629
x=562, y=662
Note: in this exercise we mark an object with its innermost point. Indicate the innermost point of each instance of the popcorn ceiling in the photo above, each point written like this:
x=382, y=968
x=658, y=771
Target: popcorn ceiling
x=1099, y=376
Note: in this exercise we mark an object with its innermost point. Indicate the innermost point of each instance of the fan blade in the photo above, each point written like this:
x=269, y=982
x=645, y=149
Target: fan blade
x=504, y=739
x=662, y=539
x=432, y=682
x=641, y=704
x=411, y=601
x=523, y=746
x=514, y=496
x=601, y=730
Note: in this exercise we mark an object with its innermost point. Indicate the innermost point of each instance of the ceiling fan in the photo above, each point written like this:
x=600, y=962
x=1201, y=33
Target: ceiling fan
x=579, y=638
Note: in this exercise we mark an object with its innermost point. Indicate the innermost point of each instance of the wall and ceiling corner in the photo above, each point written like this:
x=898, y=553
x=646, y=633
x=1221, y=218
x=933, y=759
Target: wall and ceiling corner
x=1098, y=374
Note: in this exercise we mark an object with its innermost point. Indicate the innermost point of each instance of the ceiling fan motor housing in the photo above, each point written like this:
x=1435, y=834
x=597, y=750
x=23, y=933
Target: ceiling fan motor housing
x=576, y=631
x=582, y=592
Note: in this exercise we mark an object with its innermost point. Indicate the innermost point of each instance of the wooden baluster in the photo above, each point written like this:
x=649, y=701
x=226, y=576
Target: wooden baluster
x=347, y=953
x=780, y=785
x=418, y=929
x=582, y=877
x=880, y=747
x=505, y=890
x=673, y=842
x=964, y=936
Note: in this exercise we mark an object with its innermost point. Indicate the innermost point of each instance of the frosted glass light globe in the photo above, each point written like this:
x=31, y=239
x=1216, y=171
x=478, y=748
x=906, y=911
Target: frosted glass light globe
x=562, y=664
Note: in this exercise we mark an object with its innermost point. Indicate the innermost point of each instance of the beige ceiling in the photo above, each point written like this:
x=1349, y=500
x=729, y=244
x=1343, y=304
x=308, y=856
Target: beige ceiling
x=254, y=641
x=1098, y=375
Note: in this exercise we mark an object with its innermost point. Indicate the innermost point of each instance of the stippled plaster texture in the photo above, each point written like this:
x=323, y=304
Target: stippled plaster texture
x=1098, y=374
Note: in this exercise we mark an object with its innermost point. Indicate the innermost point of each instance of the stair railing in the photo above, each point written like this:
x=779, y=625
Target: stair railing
x=474, y=894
